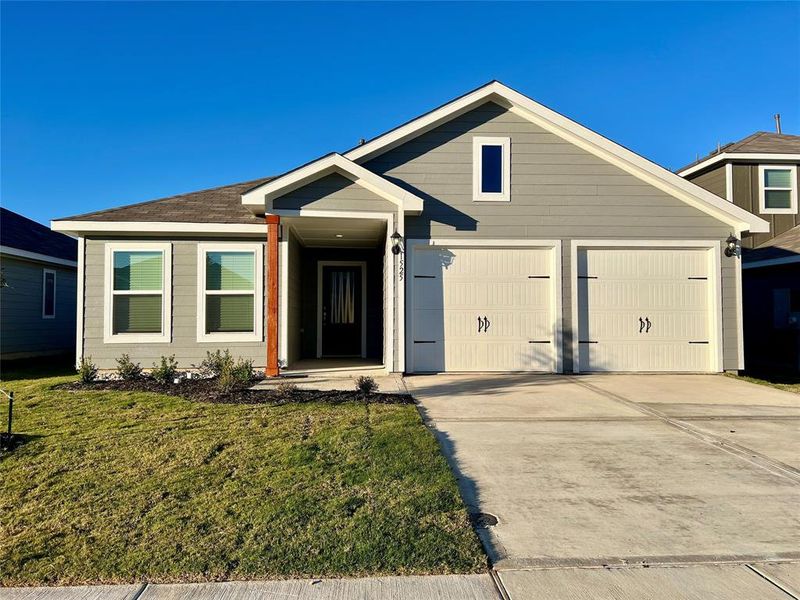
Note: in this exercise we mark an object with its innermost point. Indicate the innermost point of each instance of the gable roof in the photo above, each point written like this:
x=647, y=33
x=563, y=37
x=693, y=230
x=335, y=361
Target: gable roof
x=583, y=137
x=260, y=197
x=761, y=145
x=782, y=249
x=20, y=233
x=214, y=205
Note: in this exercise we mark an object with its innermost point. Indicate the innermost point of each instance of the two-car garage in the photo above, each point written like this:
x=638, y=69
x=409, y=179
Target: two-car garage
x=497, y=306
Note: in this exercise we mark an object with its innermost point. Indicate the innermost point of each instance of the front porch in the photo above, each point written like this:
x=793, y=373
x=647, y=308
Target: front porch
x=336, y=295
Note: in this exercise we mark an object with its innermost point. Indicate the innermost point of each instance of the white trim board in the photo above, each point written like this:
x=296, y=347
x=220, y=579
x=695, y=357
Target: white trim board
x=17, y=253
x=715, y=297
x=743, y=156
x=556, y=285
x=260, y=198
x=79, y=304
x=321, y=264
x=575, y=133
x=257, y=335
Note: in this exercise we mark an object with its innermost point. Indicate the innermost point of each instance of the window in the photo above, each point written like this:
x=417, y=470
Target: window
x=138, y=305
x=777, y=189
x=48, y=294
x=229, y=292
x=491, y=169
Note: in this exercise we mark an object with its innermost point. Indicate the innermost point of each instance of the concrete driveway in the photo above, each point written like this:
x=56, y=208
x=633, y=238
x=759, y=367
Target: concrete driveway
x=698, y=473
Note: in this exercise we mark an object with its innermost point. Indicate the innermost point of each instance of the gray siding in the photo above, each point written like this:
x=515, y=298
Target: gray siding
x=184, y=345
x=333, y=192
x=22, y=328
x=746, y=195
x=713, y=181
x=558, y=191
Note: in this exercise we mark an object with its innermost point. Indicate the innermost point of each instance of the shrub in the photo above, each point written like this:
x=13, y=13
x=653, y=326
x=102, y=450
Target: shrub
x=166, y=371
x=286, y=389
x=87, y=370
x=213, y=362
x=233, y=376
x=127, y=369
x=366, y=385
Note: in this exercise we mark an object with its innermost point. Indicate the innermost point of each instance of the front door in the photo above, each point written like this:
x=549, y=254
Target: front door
x=342, y=310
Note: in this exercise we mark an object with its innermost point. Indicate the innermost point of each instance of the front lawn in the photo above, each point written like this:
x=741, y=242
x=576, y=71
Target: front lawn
x=114, y=486
x=788, y=383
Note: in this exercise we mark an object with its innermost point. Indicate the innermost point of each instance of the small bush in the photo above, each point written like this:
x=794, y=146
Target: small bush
x=366, y=385
x=166, y=371
x=127, y=369
x=286, y=389
x=214, y=361
x=233, y=376
x=87, y=370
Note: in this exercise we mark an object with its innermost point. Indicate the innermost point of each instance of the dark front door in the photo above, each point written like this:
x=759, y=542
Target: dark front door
x=341, y=310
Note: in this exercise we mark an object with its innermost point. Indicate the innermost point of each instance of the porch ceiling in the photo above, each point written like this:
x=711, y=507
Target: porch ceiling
x=324, y=232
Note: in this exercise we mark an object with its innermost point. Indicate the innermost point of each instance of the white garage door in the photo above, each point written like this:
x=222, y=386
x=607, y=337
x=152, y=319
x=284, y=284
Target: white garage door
x=645, y=309
x=482, y=309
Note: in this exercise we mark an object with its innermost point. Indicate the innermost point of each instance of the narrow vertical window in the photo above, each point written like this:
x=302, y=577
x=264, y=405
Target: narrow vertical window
x=491, y=169
x=229, y=294
x=48, y=294
x=137, y=292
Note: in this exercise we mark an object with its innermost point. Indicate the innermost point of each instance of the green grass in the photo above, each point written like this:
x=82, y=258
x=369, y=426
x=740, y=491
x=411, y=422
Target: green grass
x=787, y=383
x=126, y=486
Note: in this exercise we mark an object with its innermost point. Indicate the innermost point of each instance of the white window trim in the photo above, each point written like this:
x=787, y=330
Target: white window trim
x=44, y=288
x=762, y=189
x=477, y=165
x=109, y=337
x=257, y=335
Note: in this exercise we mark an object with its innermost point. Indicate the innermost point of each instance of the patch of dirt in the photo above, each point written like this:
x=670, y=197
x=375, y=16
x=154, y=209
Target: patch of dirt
x=206, y=390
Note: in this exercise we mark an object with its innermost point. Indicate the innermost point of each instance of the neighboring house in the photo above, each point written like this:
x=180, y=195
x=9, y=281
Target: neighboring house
x=37, y=294
x=490, y=234
x=760, y=174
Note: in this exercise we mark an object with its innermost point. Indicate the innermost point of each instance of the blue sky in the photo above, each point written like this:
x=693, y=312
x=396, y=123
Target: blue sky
x=108, y=104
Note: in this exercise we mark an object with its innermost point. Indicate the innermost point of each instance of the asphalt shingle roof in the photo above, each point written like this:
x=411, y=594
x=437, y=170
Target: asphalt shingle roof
x=216, y=205
x=761, y=142
x=781, y=246
x=21, y=233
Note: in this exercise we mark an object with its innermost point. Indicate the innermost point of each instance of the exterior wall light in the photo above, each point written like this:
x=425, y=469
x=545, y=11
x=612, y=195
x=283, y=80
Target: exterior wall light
x=397, y=243
x=732, y=246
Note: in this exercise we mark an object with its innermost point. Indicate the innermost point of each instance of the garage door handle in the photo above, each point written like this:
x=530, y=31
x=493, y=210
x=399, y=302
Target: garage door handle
x=480, y=324
x=486, y=324
x=649, y=324
x=641, y=325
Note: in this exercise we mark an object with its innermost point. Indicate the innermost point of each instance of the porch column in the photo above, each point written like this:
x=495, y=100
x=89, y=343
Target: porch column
x=271, y=297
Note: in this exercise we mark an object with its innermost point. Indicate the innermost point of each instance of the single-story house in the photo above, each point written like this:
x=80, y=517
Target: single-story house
x=489, y=234
x=760, y=174
x=37, y=289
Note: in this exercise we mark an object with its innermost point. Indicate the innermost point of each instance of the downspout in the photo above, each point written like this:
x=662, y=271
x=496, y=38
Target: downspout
x=271, y=297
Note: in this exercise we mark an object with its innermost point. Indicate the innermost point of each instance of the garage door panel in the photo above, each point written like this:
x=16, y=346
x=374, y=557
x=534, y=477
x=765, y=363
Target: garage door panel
x=644, y=309
x=484, y=308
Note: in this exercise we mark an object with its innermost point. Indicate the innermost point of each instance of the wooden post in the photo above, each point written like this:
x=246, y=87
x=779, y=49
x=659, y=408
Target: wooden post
x=271, y=297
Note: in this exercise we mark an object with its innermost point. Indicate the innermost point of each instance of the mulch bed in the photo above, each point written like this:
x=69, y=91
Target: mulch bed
x=206, y=390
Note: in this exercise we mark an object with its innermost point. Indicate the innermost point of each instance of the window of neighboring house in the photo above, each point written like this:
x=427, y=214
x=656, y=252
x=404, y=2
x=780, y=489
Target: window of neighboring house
x=229, y=292
x=778, y=189
x=786, y=308
x=491, y=169
x=48, y=294
x=137, y=287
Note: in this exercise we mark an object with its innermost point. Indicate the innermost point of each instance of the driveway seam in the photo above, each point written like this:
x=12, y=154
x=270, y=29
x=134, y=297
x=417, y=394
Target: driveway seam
x=773, y=580
x=140, y=591
x=498, y=583
x=764, y=462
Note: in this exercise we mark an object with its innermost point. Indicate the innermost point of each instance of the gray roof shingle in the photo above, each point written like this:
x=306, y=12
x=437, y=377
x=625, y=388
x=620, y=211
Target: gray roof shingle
x=216, y=205
x=760, y=142
x=21, y=233
x=784, y=245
